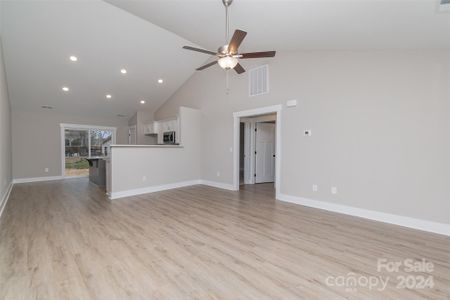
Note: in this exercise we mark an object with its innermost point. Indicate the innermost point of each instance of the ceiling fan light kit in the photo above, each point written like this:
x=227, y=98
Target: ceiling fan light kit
x=228, y=55
x=228, y=62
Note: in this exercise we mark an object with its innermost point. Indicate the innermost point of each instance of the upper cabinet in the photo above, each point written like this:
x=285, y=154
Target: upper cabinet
x=159, y=127
x=169, y=125
x=150, y=128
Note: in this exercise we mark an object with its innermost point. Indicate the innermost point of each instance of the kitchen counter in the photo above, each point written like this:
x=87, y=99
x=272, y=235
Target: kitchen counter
x=148, y=146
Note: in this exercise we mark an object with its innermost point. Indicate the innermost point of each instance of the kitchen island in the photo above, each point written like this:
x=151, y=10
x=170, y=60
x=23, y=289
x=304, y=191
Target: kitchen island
x=97, y=170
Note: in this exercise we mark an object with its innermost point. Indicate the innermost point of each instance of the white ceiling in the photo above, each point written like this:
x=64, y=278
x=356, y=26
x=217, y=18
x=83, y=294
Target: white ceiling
x=39, y=36
x=303, y=24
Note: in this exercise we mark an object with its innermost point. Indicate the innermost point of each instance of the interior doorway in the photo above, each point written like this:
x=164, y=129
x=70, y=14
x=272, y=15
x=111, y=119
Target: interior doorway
x=132, y=140
x=257, y=150
x=257, y=144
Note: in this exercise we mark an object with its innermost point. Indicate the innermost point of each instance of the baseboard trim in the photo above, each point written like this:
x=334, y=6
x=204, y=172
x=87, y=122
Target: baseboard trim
x=219, y=185
x=152, y=189
x=425, y=225
x=5, y=198
x=169, y=186
x=37, y=179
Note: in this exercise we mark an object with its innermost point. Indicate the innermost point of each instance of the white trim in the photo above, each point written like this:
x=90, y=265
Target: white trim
x=425, y=225
x=37, y=179
x=248, y=150
x=152, y=189
x=220, y=185
x=169, y=186
x=5, y=198
x=236, y=129
x=82, y=126
x=258, y=111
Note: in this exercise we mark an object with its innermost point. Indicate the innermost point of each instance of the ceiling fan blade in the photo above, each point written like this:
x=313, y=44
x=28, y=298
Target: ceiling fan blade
x=239, y=69
x=257, y=54
x=207, y=65
x=236, y=41
x=199, y=50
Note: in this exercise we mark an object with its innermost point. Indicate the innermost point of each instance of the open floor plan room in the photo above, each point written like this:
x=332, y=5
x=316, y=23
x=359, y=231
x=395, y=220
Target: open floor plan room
x=225, y=149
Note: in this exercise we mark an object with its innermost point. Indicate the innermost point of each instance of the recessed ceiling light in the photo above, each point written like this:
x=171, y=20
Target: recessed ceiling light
x=160, y=80
x=142, y=101
x=123, y=71
x=108, y=96
x=73, y=58
x=65, y=88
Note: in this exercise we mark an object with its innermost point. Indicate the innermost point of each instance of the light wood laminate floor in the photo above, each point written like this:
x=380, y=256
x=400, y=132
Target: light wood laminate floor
x=65, y=240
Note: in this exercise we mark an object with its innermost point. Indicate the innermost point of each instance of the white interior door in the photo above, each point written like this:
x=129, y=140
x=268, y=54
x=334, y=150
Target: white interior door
x=265, y=152
x=132, y=135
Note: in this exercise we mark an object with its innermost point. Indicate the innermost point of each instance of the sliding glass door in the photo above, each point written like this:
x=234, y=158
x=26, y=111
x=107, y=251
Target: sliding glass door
x=82, y=142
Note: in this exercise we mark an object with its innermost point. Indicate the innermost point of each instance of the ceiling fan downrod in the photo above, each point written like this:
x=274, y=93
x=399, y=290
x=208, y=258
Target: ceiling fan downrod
x=228, y=55
x=227, y=3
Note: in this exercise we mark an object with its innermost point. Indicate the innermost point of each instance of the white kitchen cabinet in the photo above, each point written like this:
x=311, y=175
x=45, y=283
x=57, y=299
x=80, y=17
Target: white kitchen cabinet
x=150, y=128
x=168, y=125
x=162, y=126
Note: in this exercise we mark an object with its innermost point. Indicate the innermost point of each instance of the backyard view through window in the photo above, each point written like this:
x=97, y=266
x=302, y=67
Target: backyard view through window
x=84, y=143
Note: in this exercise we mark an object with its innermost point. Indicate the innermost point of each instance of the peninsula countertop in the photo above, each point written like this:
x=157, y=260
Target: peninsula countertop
x=148, y=146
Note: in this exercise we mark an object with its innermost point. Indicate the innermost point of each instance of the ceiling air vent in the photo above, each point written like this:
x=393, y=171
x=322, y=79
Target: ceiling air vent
x=258, y=81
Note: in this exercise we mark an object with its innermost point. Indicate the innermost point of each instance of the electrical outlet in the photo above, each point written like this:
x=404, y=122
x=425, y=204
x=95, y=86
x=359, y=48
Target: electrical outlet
x=46, y=170
x=144, y=178
x=218, y=173
x=334, y=190
x=315, y=188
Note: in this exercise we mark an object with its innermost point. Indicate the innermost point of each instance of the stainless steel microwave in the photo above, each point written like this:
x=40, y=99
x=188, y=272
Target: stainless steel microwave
x=169, y=137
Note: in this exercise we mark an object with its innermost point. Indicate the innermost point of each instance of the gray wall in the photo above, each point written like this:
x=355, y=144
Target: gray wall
x=36, y=140
x=380, y=124
x=5, y=132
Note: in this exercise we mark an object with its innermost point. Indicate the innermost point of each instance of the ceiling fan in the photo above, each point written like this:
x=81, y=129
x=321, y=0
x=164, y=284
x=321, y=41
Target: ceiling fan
x=228, y=55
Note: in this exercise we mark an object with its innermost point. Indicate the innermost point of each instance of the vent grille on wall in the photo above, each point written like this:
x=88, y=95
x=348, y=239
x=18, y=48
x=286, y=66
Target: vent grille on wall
x=258, y=81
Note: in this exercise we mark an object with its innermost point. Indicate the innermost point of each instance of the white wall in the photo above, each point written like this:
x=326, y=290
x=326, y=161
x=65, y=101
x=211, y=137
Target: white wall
x=380, y=124
x=160, y=166
x=36, y=140
x=5, y=131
